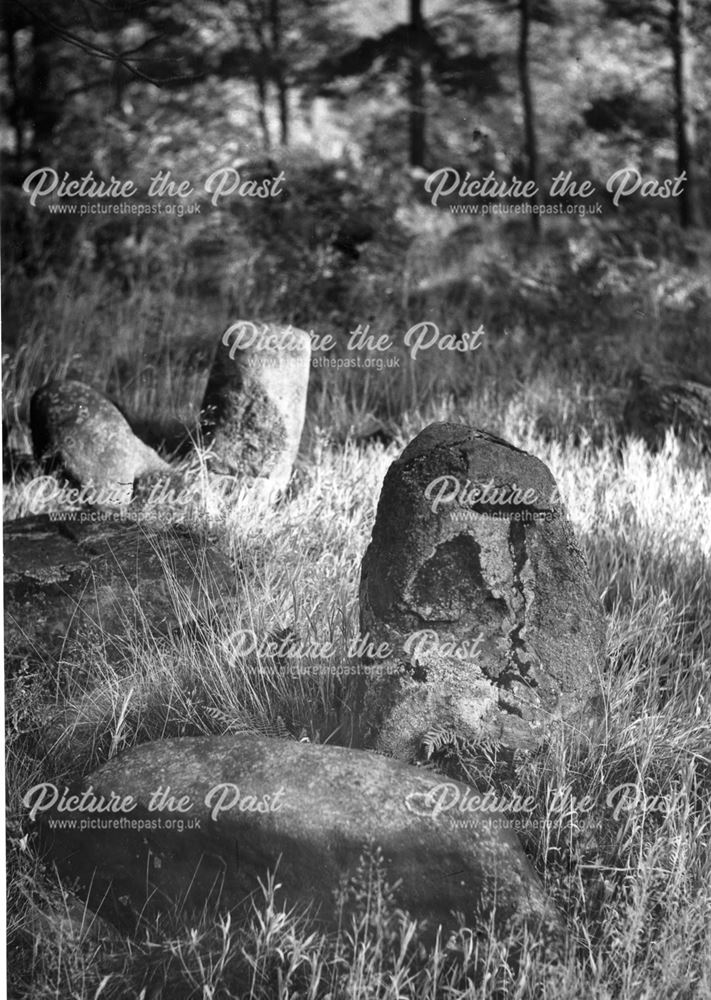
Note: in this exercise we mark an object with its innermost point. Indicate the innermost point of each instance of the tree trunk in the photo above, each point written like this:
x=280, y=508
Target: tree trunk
x=43, y=106
x=278, y=70
x=15, y=108
x=683, y=114
x=262, y=107
x=261, y=67
x=118, y=82
x=283, y=97
x=529, y=122
x=417, y=87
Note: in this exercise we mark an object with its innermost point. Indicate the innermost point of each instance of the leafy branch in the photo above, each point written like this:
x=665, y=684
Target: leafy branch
x=92, y=48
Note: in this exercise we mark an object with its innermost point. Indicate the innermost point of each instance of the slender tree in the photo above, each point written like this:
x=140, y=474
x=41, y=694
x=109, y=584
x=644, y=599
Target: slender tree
x=417, y=87
x=683, y=114
x=15, y=109
x=261, y=61
x=529, y=121
x=278, y=73
x=670, y=21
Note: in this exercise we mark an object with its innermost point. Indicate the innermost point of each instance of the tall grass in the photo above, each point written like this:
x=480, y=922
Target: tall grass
x=632, y=878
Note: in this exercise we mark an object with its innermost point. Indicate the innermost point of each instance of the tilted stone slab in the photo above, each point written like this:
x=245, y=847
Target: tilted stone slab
x=77, y=430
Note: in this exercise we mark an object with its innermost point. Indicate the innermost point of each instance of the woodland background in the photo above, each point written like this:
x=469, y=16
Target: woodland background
x=356, y=103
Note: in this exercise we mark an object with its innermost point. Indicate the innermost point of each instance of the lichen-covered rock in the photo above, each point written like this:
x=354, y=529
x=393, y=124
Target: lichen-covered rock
x=255, y=400
x=663, y=400
x=78, y=430
x=475, y=583
x=73, y=585
x=208, y=817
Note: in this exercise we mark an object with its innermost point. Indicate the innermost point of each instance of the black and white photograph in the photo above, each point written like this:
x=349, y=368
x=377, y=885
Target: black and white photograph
x=356, y=439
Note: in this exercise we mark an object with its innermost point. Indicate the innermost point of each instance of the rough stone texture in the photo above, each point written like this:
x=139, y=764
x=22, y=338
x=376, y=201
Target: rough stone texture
x=322, y=806
x=255, y=400
x=78, y=430
x=517, y=591
x=661, y=400
x=70, y=584
x=63, y=919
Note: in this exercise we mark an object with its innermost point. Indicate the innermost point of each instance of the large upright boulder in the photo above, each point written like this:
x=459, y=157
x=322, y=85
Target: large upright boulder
x=255, y=400
x=201, y=820
x=77, y=430
x=75, y=585
x=475, y=585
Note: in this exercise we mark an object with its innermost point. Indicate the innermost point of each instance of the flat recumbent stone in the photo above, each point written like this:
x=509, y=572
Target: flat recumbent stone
x=201, y=821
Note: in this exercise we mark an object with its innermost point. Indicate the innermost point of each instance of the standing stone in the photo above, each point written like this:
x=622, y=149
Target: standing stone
x=210, y=816
x=474, y=580
x=255, y=401
x=79, y=431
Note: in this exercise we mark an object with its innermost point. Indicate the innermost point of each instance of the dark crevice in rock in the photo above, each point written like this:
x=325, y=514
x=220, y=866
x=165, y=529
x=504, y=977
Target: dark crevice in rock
x=505, y=678
x=454, y=575
x=518, y=657
x=519, y=556
x=418, y=673
x=509, y=707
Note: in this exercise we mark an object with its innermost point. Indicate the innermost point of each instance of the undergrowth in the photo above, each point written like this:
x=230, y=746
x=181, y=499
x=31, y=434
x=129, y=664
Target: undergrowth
x=629, y=869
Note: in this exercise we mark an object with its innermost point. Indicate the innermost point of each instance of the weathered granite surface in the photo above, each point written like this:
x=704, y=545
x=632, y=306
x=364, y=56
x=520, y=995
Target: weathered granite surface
x=208, y=817
x=476, y=582
x=255, y=400
x=77, y=430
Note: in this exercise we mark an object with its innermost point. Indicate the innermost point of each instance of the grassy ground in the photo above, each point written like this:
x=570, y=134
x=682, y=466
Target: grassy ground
x=563, y=323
